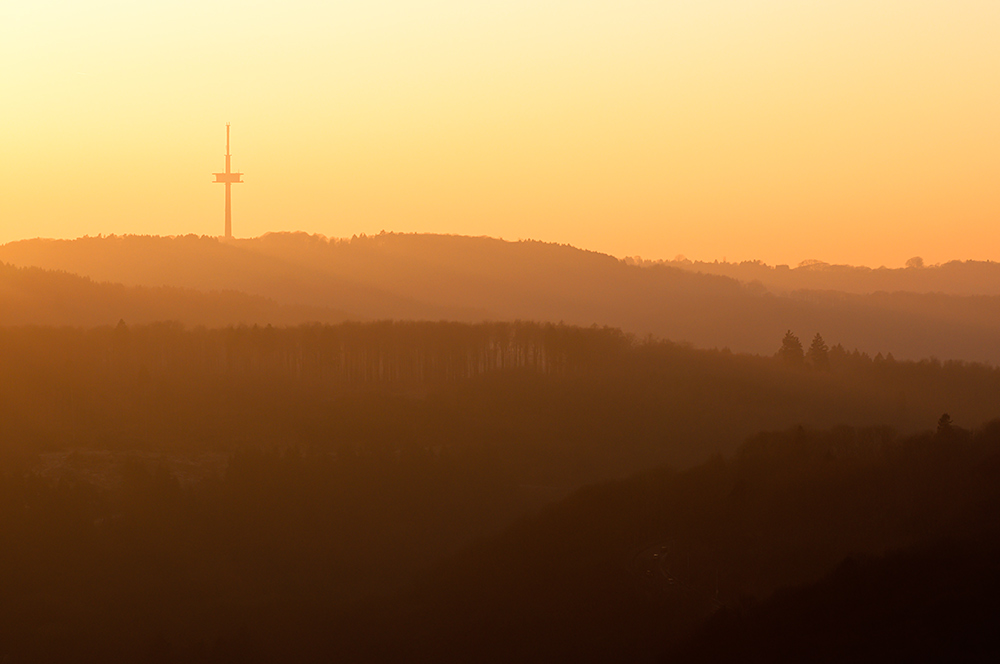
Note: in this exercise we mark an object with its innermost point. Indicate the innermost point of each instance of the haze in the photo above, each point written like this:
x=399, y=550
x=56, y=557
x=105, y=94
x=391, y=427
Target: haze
x=563, y=332
x=849, y=132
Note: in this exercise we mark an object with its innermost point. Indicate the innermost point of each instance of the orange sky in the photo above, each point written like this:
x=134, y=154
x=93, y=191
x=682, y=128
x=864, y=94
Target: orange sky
x=853, y=131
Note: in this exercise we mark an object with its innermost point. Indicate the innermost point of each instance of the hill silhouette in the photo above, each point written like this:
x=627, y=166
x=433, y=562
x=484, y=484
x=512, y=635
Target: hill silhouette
x=580, y=582
x=208, y=264
x=953, y=278
x=436, y=277
x=930, y=603
x=32, y=296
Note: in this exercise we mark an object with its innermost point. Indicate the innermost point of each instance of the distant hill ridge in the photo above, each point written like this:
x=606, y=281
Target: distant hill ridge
x=954, y=277
x=446, y=277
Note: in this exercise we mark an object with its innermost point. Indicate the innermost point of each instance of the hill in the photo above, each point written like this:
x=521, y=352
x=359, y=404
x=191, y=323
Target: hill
x=620, y=571
x=264, y=563
x=32, y=296
x=952, y=278
x=208, y=264
x=930, y=603
x=551, y=405
x=390, y=491
x=433, y=277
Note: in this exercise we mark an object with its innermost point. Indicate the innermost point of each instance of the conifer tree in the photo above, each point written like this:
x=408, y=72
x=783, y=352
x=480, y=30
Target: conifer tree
x=791, y=350
x=819, y=353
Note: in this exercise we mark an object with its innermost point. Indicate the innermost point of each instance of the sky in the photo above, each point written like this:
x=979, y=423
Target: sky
x=849, y=131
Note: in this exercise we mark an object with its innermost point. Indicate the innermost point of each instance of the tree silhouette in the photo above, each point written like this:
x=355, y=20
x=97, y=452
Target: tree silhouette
x=819, y=353
x=791, y=350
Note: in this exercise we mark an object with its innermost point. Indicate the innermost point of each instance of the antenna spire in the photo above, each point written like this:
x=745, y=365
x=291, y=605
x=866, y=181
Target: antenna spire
x=229, y=178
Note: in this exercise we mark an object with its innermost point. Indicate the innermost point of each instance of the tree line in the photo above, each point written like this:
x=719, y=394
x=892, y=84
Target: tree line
x=822, y=357
x=561, y=404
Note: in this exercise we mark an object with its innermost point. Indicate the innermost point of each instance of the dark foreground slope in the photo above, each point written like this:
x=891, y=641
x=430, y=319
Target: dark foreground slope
x=258, y=565
x=435, y=277
x=931, y=603
x=622, y=571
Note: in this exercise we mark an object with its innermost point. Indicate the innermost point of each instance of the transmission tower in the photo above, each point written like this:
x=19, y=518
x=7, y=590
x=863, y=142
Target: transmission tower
x=229, y=178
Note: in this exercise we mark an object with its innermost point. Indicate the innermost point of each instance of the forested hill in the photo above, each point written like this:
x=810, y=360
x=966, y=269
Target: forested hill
x=619, y=571
x=265, y=562
x=438, y=277
x=562, y=405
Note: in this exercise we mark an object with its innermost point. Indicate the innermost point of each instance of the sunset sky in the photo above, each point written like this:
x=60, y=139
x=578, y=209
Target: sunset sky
x=858, y=131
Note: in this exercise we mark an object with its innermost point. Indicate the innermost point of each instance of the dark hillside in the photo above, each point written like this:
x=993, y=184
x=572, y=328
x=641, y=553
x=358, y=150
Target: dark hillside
x=932, y=603
x=292, y=556
x=317, y=493
x=618, y=572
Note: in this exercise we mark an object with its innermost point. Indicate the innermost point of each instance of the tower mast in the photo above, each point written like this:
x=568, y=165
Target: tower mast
x=229, y=178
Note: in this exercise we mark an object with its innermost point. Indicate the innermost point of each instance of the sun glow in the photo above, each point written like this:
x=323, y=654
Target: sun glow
x=858, y=132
